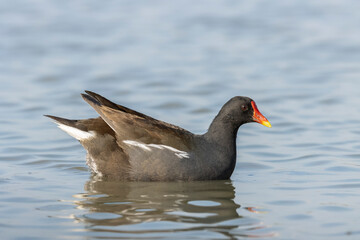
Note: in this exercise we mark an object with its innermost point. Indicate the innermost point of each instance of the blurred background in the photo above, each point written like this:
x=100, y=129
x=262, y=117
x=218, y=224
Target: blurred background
x=180, y=61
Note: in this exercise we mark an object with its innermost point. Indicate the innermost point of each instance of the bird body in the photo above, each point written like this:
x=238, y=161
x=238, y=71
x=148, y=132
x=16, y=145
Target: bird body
x=123, y=144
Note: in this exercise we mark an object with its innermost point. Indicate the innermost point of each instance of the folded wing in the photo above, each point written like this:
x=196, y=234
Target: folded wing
x=131, y=125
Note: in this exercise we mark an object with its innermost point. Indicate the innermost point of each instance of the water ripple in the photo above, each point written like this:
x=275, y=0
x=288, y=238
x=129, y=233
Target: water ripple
x=298, y=180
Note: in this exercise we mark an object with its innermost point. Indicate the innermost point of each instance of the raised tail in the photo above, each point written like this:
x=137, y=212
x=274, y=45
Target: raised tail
x=75, y=128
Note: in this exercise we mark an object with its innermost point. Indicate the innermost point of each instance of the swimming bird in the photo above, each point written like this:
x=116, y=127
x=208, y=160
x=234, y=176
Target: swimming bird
x=123, y=144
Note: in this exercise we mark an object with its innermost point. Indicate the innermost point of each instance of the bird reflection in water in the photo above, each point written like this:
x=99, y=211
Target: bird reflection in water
x=156, y=209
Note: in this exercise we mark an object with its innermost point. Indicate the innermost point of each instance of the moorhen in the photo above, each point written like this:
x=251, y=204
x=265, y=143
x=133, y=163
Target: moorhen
x=123, y=144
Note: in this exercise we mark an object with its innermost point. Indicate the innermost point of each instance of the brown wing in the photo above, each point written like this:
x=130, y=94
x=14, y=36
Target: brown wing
x=131, y=125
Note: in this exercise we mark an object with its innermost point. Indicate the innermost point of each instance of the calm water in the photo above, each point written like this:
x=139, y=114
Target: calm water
x=179, y=61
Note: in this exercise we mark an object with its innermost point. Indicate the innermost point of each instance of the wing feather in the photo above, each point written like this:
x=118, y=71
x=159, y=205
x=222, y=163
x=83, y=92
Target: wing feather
x=131, y=125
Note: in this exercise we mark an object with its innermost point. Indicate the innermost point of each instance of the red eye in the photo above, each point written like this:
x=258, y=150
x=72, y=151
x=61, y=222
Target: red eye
x=244, y=108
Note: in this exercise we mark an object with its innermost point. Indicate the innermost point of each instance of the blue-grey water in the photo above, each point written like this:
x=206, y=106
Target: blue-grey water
x=179, y=61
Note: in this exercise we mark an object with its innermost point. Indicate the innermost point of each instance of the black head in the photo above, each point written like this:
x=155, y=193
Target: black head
x=239, y=110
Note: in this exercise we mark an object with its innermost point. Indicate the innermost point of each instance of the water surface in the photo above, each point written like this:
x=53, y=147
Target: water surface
x=179, y=61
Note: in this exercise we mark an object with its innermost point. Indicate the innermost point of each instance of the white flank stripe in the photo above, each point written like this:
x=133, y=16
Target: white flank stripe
x=147, y=147
x=137, y=144
x=77, y=133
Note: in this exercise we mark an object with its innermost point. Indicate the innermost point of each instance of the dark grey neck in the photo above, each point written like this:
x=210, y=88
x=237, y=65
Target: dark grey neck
x=223, y=131
x=222, y=137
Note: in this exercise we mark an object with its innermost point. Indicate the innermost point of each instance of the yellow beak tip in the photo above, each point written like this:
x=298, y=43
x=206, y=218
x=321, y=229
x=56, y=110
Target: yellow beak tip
x=266, y=124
